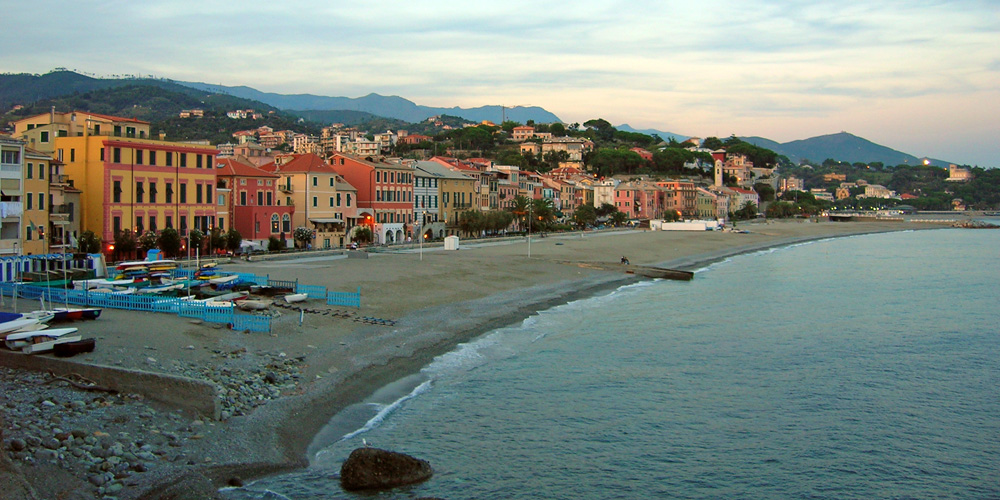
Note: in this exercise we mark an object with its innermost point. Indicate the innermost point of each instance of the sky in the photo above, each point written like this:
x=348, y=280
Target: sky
x=922, y=77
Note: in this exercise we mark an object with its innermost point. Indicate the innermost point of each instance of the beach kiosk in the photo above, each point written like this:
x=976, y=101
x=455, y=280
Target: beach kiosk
x=451, y=242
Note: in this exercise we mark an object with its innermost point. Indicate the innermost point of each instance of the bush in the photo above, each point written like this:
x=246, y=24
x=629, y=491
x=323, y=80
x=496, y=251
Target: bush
x=274, y=244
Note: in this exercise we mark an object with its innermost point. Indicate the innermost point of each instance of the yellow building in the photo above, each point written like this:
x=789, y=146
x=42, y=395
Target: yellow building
x=35, y=202
x=140, y=184
x=441, y=194
x=40, y=131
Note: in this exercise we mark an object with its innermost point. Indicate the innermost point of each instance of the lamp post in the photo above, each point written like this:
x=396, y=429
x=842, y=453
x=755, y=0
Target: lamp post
x=530, y=218
x=423, y=220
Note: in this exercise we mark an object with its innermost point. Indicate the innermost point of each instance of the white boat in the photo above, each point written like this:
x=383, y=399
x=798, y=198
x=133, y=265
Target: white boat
x=17, y=325
x=100, y=283
x=296, y=297
x=223, y=279
x=253, y=304
x=20, y=340
x=161, y=288
x=48, y=345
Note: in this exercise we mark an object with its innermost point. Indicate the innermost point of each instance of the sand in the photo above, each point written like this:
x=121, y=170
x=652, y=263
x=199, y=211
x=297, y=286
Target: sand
x=438, y=299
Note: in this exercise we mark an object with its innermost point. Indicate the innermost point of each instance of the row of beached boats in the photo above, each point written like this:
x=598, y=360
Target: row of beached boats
x=29, y=332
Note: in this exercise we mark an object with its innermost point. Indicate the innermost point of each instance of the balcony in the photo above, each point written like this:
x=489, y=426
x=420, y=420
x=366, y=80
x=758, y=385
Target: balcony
x=60, y=179
x=286, y=188
x=10, y=209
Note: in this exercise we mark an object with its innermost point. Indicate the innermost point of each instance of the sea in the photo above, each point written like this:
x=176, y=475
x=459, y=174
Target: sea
x=857, y=367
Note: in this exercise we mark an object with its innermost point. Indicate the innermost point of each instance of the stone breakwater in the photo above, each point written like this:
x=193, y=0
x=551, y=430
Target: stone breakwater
x=107, y=440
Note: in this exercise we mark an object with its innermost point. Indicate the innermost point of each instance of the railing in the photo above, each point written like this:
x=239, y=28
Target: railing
x=313, y=291
x=346, y=299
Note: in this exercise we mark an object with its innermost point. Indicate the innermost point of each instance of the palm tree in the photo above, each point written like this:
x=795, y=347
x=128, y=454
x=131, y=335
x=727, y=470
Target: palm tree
x=519, y=207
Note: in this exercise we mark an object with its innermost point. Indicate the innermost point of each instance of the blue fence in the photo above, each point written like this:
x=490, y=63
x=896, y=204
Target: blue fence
x=146, y=303
x=313, y=291
x=344, y=299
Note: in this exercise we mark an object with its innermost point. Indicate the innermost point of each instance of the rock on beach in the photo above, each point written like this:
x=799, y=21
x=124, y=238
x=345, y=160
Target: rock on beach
x=374, y=468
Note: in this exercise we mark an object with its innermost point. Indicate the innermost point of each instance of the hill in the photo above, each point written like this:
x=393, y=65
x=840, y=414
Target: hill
x=650, y=131
x=842, y=147
x=24, y=88
x=385, y=106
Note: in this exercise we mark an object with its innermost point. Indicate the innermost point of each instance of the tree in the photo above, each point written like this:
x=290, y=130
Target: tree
x=125, y=243
x=557, y=129
x=217, y=239
x=169, y=241
x=302, y=236
x=89, y=242
x=585, y=215
x=274, y=244
x=147, y=241
x=764, y=190
x=519, y=207
x=713, y=143
x=362, y=234
x=233, y=240
x=195, y=239
x=618, y=218
x=471, y=222
x=606, y=209
x=747, y=211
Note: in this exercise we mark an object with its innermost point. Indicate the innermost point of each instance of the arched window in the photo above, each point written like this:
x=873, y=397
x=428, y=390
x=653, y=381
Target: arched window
x=286, y=223
x=274, y=224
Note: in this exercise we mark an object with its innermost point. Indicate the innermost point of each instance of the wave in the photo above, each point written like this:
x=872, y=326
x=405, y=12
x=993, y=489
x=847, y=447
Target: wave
x=386, y=410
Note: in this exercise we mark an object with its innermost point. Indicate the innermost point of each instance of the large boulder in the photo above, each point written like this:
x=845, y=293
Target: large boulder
x=373, y=468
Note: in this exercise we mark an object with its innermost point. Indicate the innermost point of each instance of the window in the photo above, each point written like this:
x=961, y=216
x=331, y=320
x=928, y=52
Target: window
x=116, y=225
x=222, y=224
x=260, y=182
x=286, y=223
x=184, y=224
x=27, y=233
x=117, y=194
x=331, y=201
x=183, y=158
x=152, y=157
x=139, y=227
x=315, y=181
x=222, y=200
x=41, y=201
x=170, y=221
x=30, y=171
x=184, y=193
x=315, y=201
x=331, y=181
x=270, y=200
x=269, y=182
x=348, y=199
x=198, y=193
x=44, y=136
x=338, y=199
x=139, y=191
x=138, y=157
x=152, y=193
x=72, y=154
x=118, y=131
x=274, y=224
x=197, y=161
x=243, y=182
x=152, y=223
x=243, y=198
x=170, y=193
x=28, y=201
x=129, y=131
x=208, y=193
x=260, y=198
x=116, y=155
x=170, y=159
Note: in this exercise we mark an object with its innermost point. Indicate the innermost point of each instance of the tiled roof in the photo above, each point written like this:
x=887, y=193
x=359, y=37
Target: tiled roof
x=302, y=163
x=231, y=167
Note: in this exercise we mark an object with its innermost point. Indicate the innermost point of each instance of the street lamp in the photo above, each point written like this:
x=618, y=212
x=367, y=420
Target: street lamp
x=423, y=220
x=530, y=218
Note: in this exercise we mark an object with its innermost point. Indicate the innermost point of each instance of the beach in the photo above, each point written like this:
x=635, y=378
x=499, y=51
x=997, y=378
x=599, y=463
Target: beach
x=302, y=375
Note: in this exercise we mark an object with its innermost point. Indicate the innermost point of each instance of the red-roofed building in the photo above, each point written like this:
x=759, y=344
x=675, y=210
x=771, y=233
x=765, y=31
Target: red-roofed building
x=646, y=155
x=323, y=200
x=384, y=192
x=251, y=195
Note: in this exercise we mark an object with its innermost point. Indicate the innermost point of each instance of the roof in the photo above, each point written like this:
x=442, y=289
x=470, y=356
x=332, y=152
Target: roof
x=232, y=167
x=302, y=163
x=88, y=113
x=435, y=169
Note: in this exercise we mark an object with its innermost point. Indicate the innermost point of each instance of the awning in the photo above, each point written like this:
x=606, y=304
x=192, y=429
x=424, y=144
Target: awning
x=327, y=221
x=11, y=192
x=10, y=187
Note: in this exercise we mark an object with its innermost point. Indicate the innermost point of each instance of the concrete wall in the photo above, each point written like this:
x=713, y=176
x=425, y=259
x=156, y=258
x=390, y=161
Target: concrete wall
x=180, y=392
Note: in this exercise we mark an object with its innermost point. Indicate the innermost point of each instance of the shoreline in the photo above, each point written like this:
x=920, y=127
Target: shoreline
x=370, y=378
x=345, y=364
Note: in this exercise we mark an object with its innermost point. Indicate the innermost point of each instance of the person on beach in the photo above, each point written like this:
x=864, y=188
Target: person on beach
x=624, y=260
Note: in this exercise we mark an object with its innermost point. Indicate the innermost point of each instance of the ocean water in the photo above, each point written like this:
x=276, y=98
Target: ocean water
x=861, y=367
